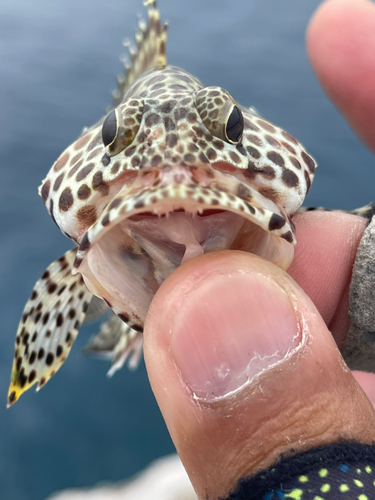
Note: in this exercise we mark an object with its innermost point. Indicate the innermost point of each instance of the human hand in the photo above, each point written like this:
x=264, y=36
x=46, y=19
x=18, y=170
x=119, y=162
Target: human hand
x=230, y=419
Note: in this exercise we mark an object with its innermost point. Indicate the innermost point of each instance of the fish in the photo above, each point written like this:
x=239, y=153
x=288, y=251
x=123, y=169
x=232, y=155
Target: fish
x=174, y=170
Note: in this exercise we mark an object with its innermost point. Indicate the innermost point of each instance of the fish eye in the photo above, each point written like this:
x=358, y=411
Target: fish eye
x=109, y=129
x=121, y=126
x=220, y=114
x=234, y=126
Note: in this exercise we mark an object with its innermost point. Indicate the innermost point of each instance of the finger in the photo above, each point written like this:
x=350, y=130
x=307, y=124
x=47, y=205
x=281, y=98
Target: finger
x=323, y=263
x=244, y=369
x=341, y=47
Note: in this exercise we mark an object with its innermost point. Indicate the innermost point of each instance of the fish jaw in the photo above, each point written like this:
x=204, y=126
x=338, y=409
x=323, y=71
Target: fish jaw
x=146, y=232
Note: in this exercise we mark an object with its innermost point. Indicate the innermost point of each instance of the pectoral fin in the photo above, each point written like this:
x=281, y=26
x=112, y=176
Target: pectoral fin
x=48, y=327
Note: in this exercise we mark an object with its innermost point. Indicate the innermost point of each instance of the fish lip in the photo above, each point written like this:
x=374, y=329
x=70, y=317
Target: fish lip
x=192, y=199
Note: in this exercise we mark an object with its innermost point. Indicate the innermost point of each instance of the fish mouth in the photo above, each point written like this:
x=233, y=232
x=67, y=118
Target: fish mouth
x=141, y=238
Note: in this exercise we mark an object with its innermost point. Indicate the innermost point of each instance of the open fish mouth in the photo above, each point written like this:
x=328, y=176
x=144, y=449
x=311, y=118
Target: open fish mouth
x=144, y=234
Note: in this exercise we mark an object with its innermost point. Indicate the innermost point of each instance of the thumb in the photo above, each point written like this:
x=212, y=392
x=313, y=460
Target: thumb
x=244, y=369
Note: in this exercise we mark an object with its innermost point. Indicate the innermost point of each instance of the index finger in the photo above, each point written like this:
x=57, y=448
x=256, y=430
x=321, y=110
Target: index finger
x=324, y=258
x=341, y=48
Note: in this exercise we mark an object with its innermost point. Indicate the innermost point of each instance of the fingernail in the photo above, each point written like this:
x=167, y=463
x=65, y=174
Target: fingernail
x=230, y=329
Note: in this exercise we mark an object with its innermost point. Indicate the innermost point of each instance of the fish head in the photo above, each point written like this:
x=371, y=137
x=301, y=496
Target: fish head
x=174, y=171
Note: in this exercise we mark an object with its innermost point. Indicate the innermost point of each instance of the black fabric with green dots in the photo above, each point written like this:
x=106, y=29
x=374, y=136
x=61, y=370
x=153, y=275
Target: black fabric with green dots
x=343, y=471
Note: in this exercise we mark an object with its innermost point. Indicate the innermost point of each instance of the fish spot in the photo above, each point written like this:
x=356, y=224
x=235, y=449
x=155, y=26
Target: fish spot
x=59, y=319
x=106, y=160
x=87, y=215
x=82, y=141
x=152, y=119
x=51, y=287
x=84, y=172
x=32, y=376
x=211, y=154
x=276, y=222
x=243, y=192
x=180, y=114
x=85, y=243
x=218, y=144
x=169, y=124
x=74, y=169
x=270, y=193
x=309, y=162
x=156, y=160
x=18, y=364
x=84, y=192
x=66, y=200
x=308, y=181
x=124, y=317
x=288, y=236
x=234, y=157
x=115, y=203
x=45, y=190
x=289, y=137
x=135, y=162
x=71, y=313
x=59, y=350
x=168, y=106
x=115, y=167
x=171, y=140
x=99, y=185
x=189, y=158
x=203, y=158
x=250, y=125
x=253, y=152
x=266, y=126
x=75, y=158
x=105, y=220
x=273, y=142
x=130, y=151
x=289, y=147
x=254, y=139
x=250, y=208
x=94, y=153
x=58, y=182
x=22, y=378
x=290, y=178
x=295, y=162
x=32, y=357
x=49, y=359
x=41, y=353
x=61, y=162
x=276, y=158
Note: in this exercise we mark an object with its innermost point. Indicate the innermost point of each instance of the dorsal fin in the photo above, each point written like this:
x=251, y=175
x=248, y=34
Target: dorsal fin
x=149, y=52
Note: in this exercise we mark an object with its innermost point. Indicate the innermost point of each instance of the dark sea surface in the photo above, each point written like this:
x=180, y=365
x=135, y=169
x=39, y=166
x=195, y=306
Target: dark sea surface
x=58, y=61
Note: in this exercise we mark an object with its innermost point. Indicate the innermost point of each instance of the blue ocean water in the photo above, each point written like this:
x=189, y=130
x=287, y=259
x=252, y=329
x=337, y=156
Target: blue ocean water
x=58, y=60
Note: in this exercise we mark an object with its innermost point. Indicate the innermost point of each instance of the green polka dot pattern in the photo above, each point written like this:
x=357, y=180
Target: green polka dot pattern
x=342, y=471
x=342, y=482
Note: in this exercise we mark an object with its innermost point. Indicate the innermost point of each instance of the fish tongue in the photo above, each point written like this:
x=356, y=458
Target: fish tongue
x=181, y=229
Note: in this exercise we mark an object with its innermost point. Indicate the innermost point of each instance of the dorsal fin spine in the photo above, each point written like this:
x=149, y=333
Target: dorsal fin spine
x=148, y=52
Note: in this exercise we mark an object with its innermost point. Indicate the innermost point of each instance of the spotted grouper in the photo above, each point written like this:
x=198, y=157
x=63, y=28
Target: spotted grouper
x=175, y=170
